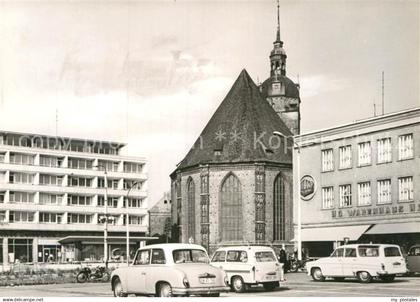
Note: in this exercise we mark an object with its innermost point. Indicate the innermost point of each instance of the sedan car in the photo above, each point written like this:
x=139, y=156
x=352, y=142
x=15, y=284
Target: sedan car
x=166, y=270
x=363, y=261
x=413, y=259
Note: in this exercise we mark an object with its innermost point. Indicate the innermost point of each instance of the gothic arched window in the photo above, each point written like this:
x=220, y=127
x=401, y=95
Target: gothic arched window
x=191, y=208
x=231, y=227
x=279, y=209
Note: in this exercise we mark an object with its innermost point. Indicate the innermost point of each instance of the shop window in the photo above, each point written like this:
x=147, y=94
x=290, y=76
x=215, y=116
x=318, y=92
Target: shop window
x=20, y=250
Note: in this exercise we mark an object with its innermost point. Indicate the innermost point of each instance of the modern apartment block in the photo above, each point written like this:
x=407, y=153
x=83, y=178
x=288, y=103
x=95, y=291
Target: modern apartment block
x=360, y=183
x=52, y=198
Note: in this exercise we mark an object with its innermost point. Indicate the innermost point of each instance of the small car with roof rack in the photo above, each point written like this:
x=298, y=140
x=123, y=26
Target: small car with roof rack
x=249, y=265
x=166, y=270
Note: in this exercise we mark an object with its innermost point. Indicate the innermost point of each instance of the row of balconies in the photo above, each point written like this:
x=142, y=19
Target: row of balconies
x=95, y=218
x=63, y=200
x=117, y=165
x=116, y=223
x=118, y=186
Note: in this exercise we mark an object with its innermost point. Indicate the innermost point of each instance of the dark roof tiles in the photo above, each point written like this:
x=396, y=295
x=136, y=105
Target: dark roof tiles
x=241, y=130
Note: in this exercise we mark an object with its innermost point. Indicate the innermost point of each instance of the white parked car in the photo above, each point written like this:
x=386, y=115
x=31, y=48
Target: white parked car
x=249, y=265
x=166, y=270
x=363, y=261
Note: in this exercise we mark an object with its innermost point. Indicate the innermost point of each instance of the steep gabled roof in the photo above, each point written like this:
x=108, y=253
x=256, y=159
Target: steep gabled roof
x=240, y=130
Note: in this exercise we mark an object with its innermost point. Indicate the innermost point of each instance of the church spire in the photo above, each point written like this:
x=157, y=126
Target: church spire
x=278, y=55
x=278, y=22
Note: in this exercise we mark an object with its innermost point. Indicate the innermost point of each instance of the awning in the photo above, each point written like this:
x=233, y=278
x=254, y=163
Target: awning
x=352, y=232
x=100, y=239
x=395, y=228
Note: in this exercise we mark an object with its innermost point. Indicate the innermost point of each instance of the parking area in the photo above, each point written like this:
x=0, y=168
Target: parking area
x=298, y=285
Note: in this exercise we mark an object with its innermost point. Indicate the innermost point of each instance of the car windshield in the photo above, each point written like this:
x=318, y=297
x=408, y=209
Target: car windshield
x=190, y=256
x=265, y=256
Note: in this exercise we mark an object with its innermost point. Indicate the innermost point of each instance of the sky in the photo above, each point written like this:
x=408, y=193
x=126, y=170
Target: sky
x=152, y=73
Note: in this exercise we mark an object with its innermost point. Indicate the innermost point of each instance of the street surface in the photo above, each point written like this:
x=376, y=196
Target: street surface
x=298, y=285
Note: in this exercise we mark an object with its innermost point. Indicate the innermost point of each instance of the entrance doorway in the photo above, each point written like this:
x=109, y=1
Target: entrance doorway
x=49, y=253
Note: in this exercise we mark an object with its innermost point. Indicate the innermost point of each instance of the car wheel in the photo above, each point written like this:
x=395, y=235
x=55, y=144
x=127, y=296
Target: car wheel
x=269, y=286
x=317, y=274
x=118, y=289
x=387, y=278
x=165, y=290
x=338, y=278
x=238, y=284
x=364, y=277
x=81, y=277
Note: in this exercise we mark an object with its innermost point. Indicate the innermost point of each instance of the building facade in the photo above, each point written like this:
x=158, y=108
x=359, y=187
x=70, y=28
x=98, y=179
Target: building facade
x=53, y=194
x=360, y=183
x=235, y=184
x=160, y=221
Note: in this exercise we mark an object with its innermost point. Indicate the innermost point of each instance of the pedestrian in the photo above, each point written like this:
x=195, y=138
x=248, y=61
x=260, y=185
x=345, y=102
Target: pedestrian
x=283, y=258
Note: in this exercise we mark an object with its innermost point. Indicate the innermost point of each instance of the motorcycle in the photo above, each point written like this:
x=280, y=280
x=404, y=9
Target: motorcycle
x=295, y=265
x=97, y=274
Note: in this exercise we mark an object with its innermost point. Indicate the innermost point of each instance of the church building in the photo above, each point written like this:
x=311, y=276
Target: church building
x=235, y=184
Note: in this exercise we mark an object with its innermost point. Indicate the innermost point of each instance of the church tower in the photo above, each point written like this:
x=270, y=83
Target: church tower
x=280, y=91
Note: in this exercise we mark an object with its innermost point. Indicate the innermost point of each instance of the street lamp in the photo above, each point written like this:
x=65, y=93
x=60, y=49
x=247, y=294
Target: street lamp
x=127, y=221
x=106, y=215
x=299, y=214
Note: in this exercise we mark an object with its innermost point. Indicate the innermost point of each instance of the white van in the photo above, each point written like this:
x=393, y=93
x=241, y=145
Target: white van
x=363, y=261
x=249, y=265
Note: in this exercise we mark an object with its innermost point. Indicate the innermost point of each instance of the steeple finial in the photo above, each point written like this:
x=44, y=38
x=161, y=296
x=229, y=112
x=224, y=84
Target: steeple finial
x=278, y=21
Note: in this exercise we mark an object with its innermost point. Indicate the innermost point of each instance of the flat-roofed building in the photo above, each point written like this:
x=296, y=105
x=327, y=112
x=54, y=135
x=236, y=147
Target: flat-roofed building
x=360, y=183
x=52, y=198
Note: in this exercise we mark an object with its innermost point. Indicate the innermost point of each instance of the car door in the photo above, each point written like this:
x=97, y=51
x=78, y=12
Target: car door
x=333, y=265
x=155, y=270
x=237, y=263
x=136, y=274
x=349, y=261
